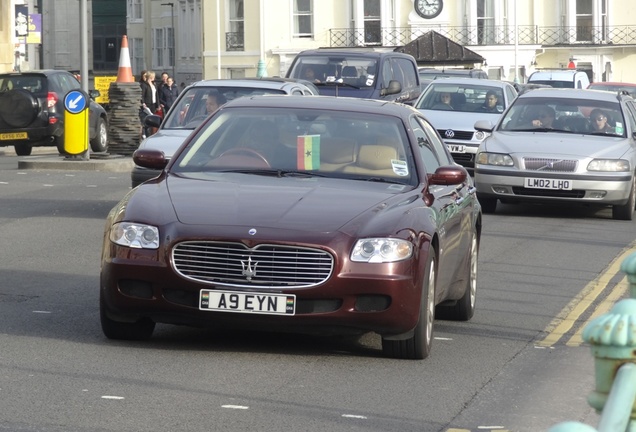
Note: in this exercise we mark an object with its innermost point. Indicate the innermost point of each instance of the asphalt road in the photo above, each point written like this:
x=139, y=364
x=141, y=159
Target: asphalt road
x=494, y=373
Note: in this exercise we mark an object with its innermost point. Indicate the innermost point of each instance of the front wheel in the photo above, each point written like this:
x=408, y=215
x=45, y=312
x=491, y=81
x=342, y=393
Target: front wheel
x=418, y=346
x=626, y=211
x=141, y=329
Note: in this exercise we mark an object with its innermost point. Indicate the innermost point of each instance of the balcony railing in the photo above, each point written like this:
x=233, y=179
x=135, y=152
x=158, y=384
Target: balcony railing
x=488, y=35
x=234, y=41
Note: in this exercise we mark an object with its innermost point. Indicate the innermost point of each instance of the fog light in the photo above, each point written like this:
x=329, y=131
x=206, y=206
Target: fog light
x=501, y=189
x=597, y=194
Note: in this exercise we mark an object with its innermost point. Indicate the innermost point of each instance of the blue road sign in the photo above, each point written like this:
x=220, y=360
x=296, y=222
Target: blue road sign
x=75, y=102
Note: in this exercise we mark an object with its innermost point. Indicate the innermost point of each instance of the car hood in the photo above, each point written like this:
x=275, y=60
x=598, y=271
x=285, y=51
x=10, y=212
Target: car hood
x=166, y=140
x=556, y=144
x=317, y=205
x=457, y=120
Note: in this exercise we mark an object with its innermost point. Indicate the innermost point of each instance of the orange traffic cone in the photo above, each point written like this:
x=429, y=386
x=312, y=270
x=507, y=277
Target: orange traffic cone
x=124, y=73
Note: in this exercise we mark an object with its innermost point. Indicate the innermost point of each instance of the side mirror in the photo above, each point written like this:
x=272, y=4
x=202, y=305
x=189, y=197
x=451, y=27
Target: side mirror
x=484, y=126
x=94, y=94
x=449, y=175
x=152, y=120
x=151, y=159
x=393, y=88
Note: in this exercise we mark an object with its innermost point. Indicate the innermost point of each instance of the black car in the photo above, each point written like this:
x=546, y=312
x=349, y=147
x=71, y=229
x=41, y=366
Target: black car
x=32, y=111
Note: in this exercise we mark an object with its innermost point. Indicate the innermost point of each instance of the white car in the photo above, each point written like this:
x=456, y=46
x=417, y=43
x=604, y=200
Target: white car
x=189, y=111
x=468, y=104
x=562, y=146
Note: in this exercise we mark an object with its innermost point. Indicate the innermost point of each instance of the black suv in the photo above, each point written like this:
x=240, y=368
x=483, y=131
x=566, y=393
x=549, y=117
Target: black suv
x=32, y=111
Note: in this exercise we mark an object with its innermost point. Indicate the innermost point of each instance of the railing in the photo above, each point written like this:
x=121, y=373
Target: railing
x=234, y=41
x=613, y=340
x=488, y=35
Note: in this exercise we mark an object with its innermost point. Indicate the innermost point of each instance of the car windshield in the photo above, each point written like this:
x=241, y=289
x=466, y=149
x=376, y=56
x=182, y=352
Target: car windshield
x=462, y=98
x=305, y=142
x=355, y=70
x=193, y=106
x=566, y=115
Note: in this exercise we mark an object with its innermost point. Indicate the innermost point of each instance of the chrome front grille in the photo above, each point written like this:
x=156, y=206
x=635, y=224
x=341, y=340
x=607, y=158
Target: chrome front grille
x=550, y=165
x=455, y=134
x=266, y=265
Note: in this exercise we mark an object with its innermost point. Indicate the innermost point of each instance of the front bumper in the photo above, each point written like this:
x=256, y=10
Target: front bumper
x=602, y=189
x=354, y=300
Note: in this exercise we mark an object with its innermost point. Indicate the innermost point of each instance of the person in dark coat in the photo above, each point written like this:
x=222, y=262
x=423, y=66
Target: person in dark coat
x=168, y=94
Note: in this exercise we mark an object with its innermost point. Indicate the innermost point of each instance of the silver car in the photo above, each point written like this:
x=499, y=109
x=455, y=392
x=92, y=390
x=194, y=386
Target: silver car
x=191, y=108
x=561, y=146
x=469, y=100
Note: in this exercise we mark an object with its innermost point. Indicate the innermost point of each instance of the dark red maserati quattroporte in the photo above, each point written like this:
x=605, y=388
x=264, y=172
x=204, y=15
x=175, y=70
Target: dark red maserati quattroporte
x=297, y=214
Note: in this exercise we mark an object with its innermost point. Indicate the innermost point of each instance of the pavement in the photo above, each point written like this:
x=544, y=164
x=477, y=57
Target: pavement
x=43, y=158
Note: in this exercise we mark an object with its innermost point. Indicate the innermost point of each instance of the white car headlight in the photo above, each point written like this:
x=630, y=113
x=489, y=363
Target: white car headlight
x=138, y=236
x=381, y=250
x=480, y=135
x=609, y=165
x=499, y=159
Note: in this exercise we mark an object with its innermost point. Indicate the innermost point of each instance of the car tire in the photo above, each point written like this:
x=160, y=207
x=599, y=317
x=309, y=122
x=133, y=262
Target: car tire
x=626, y=211
x=99, y=144
x=464, y=308
x=418, y=346
x=22, y=149
x=141, y=329
x=488, y=205
x=18, y=108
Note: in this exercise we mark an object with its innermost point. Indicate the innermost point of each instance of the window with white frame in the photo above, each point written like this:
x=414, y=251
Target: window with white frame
x=158, y=48
x=135, y=10
x=237, y=25
x=169, y=32
x=137, y=53
x=372, y=22
x=584, y=19
x=485, y=22
x=303, y=17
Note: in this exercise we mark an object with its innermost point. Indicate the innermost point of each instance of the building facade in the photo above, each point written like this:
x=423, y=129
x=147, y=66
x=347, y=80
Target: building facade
x=166, y=36
x=515, y=37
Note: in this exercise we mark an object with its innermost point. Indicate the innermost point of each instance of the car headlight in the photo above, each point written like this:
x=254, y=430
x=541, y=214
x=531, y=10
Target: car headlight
x=381, y=250
x=499, y=159
x=609, y=165
x=480, y=135
x=139, y=236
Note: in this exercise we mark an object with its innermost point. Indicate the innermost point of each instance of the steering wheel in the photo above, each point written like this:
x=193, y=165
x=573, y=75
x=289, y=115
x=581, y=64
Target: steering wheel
x=245, y=151
x=196, y=121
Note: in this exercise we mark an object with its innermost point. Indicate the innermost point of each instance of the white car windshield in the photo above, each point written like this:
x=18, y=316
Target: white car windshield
x=199, y=102
x=462, y=98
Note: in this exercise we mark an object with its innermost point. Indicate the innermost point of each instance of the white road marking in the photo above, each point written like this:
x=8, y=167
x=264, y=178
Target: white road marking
x=442, y=338
x=42, y=312
x=113, y=397
x=354, y=416
x=243, y=407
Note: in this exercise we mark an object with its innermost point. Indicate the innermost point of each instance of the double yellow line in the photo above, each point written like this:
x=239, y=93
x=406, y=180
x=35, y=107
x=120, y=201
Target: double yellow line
x=568, y=317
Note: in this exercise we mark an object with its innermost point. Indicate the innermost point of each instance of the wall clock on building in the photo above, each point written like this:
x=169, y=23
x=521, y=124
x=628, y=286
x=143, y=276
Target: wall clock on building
x=428, y=8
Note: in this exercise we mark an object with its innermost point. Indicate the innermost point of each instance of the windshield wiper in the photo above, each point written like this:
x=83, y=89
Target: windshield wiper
x=380, y=180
